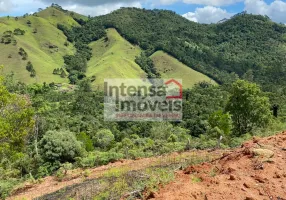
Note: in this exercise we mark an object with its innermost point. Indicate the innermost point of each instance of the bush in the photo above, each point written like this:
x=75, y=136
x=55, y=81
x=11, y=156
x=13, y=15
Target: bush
x=60, y=146
x=6, y=186
x=86, y=141
x=18, y=31
x=98, y=158
x=103, y=139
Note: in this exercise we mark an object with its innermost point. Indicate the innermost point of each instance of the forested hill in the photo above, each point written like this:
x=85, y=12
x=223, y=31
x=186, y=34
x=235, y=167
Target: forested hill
x=249, y=46
x=252, y=46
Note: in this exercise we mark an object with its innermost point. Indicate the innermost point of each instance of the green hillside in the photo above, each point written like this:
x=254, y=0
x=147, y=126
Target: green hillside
x=244, y=44
x=42, y=41
x=55, y=16
x=170, y=67
x=113, y=57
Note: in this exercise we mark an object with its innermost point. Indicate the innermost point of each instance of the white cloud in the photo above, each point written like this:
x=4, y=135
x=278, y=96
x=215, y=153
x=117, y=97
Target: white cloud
x=87, y=2
x=212, y=2
x=275, y=10
x=197, y=2
x=5, y=5
x=100, y=9
x=207, y=14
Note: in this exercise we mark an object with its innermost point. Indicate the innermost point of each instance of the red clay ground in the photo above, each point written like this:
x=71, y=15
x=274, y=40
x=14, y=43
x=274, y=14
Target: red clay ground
x=51, y=184
x=256, y=171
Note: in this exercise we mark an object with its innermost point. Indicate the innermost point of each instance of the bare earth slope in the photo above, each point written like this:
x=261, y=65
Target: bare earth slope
x=256, y=171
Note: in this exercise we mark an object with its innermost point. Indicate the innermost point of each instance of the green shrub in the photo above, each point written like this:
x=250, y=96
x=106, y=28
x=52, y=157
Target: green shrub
x=86, y=141
x=60, y=146
x=6, y=186
x=103, y=139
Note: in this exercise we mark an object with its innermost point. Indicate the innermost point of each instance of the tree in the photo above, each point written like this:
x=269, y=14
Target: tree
x=16, y=120
x=85, y=139
x=63, y=74
x=60, y=146
x=33, y=73
x=103, y=138
x=248, y=107
x=85, y=85
x=248, y=76
x=222, y=121
x=55, y=71
x=29, y=67
x=29, y=23
x=161, y=131
x=18, y=31
x=220, y=126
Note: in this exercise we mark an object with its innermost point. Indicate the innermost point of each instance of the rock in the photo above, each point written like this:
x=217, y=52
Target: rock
x=230, y=170
x=246, y=185
x=255, y=139
x=232, y=177
x=259, y=179
x=195, y=196
x=277, y=175
x=263, y=152
x=249, y=198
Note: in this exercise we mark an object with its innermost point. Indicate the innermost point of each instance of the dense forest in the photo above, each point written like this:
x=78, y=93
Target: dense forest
x=44, y=131
x=243, y=44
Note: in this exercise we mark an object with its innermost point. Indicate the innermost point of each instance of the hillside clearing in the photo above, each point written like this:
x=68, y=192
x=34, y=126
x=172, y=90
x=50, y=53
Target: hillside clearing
x=44, y=44
x=170, y=67
x=113, y=57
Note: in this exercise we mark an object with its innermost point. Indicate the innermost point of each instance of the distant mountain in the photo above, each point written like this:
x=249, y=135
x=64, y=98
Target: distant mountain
x=245, y=44
x=42, y=44
x=222, y=21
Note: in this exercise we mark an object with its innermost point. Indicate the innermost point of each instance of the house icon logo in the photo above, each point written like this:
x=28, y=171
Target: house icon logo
x=175, y=89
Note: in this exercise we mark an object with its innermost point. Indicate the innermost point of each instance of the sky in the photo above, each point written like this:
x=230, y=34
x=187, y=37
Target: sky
x=201, y=11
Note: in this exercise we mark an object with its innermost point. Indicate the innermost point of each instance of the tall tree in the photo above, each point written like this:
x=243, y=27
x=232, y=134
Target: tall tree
x=248, y=106
x=16, y=120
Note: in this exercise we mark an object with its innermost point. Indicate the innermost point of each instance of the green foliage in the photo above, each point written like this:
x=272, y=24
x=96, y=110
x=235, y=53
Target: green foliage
x=98, y=158
x=60, y=146
x=166, y=131
x=18, y=31
x=29, y=23
x=196, y=179
x=103, y=139
x=62, y=172
x=86, y=141
x=29, y=66
x=23, y=53
x=248, y=106
x=16, y=120
x=199, y=103
x=221, y=51
x=6, y=187
x=8, y=37
x=169, y=67
x=147, y=65
x=63, y=74
x=221, y=124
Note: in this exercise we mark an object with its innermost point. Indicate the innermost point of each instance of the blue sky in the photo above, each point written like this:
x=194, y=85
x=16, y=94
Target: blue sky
x=202, y=11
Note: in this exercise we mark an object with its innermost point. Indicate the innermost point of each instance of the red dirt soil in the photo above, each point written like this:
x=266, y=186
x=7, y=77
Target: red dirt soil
x=50, y=184
x=242, y=174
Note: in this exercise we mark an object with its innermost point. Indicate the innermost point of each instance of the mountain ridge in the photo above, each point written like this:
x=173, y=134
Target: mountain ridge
x=243, y=44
